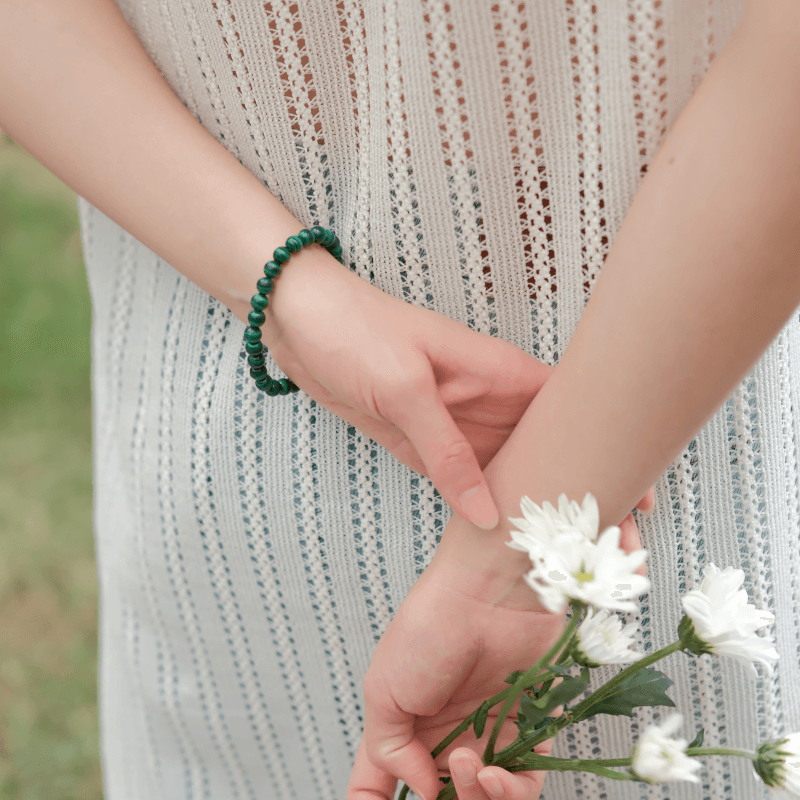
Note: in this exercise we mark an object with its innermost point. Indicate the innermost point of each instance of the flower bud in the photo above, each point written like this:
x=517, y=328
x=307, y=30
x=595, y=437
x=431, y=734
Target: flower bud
x=778, y=764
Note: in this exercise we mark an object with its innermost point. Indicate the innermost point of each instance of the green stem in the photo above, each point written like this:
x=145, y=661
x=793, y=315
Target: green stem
x=448, y=793
x=603, y=772
x=562, y=659
x=525, y=680
x=493, y=701
x=606, y=688
x=520, y=746
x=534, y=761
x=720, y=751
x=599, y=766
x=504, y=757
x=456, y=732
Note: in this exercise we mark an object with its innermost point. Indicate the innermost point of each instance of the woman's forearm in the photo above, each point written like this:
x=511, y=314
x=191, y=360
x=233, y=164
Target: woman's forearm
x=707, y=267
x=78, y=91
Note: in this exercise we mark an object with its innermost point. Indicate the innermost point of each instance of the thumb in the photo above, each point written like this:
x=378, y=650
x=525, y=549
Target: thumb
x=449, y=460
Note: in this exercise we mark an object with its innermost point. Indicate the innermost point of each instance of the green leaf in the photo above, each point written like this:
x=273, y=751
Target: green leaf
x=561, y=669
x=567, y=690
x=528, y=716
x=533, y=712
x=480, y=719
x=643, y=688
x=698, y=740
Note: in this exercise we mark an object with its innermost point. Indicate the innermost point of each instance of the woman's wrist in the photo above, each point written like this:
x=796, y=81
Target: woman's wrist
x=480, y=564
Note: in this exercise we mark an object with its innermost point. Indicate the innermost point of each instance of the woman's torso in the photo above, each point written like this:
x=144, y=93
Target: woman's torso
x=476, y=158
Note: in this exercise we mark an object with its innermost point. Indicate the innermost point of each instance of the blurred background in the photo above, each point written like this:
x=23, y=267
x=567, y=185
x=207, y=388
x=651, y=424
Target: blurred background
x=48, y=590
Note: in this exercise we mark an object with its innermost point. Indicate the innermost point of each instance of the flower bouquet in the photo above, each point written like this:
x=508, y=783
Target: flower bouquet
x=574, y=564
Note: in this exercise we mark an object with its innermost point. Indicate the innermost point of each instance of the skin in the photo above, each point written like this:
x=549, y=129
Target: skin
x=79, y=92
x=700, y=279
x=706, y=265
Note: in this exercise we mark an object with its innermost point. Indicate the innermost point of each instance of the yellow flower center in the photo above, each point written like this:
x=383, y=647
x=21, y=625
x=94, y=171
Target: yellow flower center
x=584, y=577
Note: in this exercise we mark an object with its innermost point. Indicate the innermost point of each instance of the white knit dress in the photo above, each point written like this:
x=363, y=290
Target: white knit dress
x=475, y=157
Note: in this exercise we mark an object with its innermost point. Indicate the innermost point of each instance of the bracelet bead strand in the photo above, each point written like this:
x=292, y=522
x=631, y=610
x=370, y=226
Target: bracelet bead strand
x=253, y=346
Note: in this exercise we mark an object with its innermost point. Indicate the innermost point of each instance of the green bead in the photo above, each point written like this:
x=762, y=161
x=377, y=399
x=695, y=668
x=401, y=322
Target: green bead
x=272, y=269
x=294, y=244
x=265, y=285
x=306, y=237
x=256, y=360
x=258, y=372
x=254, y=348
x=336, y=252
x=259, y=302
x=330, y=238
x=281, y=255
x=318, y=233
x=256, y=318
x=286, y=385
x=263, y=383
x=273, y=388
x=252, y=334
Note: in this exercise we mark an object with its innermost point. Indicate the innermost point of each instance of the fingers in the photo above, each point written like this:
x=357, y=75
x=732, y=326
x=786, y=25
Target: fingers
x=368, y=782
x=450, y=462
x=501, y=785
x=392, y=747
x=464, y=765
x=629, y=535
x=630, y=539
x=648, y=501
x=474, y=782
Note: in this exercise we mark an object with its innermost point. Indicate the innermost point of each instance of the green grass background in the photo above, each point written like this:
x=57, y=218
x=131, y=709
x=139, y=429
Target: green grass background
x=48, y=591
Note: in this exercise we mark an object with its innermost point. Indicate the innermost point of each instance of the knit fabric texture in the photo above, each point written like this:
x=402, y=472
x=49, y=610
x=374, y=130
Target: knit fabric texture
x=475, y=157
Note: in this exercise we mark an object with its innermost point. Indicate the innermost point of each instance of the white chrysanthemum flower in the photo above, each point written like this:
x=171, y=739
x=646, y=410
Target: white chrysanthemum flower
x=570, y=562
x=724, y=622
x=601, y=639
x=778, y=765
x=542, y=523
x=658, y=757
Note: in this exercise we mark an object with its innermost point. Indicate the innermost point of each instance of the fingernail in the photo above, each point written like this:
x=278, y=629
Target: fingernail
x=479, y=508
x=464, y=771
x=491, y=784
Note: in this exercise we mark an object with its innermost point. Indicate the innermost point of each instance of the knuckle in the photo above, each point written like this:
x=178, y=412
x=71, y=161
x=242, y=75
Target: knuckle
x=455, y=456
x=398, y=391
x=381, y=753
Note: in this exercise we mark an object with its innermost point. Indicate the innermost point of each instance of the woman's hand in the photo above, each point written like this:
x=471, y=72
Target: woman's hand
x=439, y=396
x=443, y=654
x=472, y=781
x=455, y=638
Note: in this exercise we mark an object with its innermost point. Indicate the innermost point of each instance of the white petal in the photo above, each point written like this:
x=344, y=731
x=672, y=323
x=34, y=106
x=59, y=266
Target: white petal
x=660, y=758
x=603, y=640
x=792, y=775
x=727, y=622
x=564, y=549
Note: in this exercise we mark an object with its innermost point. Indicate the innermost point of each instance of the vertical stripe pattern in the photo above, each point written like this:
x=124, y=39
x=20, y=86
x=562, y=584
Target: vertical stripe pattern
x=476, y=159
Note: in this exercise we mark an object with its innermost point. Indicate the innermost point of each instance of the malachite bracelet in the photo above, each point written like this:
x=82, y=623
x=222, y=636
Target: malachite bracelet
x=272, y=269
